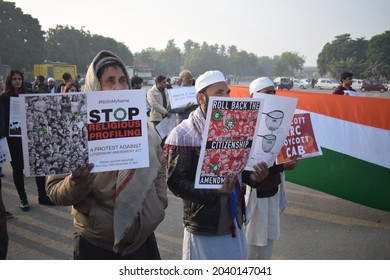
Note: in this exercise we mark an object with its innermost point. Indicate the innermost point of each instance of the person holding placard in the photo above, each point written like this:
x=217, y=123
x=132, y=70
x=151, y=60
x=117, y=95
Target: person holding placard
x=263, y=227
x=115, y=212
x=14, y=86
x=185, y=80
x=213, y=218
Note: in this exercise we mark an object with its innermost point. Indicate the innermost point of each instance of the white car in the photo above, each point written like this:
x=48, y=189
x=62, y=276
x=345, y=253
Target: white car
x=300, y=84
x=324, y=83
x=356, y=83
x=150, y=82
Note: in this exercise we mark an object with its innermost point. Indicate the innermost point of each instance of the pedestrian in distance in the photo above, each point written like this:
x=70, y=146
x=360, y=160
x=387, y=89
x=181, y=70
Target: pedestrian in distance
x=346, y=84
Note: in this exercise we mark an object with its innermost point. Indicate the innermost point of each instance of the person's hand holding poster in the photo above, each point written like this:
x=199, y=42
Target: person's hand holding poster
x=300, y=141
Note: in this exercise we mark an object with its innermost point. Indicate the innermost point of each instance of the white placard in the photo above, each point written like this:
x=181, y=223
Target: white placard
x=5, y=156
x=278, y=113
x=180, y=97
x=166, y=125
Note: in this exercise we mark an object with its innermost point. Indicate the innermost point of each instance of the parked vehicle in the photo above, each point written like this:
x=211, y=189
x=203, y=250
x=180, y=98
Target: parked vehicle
x=150, y=82
x=302, y=84
x=175, y=80
x=283, y=83
x=306, y=82
x=386, y=85
x=356, y=83
x=324, y=83
x=372, y=86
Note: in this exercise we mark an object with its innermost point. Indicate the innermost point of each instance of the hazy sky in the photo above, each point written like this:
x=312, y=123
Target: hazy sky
x=265, y=28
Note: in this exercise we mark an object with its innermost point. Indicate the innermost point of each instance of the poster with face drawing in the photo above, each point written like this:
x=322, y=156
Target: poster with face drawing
x=278, y=113
x=230, y=128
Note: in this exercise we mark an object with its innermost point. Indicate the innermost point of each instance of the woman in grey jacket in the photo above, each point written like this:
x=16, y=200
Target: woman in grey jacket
x=125, y=231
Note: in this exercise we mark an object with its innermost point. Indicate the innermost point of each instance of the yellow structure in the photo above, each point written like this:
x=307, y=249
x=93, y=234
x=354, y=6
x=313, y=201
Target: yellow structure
x=54, y=70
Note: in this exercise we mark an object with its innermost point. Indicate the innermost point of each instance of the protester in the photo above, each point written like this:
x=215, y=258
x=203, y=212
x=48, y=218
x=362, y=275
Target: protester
x=39, y=85
x=346, y=84
x=13, y=87
x=185, y=80
x=51, y=84
x=213, y=227
x=66, y=78
x=157, y=97
x=71, y=87
x=137, y=83
x=106, y=226
x=169, y=85
x=263, y=227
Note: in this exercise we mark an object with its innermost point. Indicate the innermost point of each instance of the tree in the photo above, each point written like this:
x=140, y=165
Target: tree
x=205, y=58
x=266, y=66
x=171, y=59
x=378, y=51
x=67, y=44
x=288, y=64
x=343, y=54
x=22, y=40
x=146, y=59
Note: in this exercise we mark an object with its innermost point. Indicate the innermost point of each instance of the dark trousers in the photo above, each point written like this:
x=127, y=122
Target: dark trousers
x=41, y=184
x=15, y=149
x=3, y=229
x=83, y=250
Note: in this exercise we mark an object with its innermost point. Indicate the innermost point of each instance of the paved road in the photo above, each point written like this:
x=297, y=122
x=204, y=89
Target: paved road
x=315, y=226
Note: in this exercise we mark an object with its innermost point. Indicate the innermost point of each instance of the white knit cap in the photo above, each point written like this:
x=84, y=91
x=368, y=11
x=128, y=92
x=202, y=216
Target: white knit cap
x=259, y=84
x=208, y=78
x=50, y=79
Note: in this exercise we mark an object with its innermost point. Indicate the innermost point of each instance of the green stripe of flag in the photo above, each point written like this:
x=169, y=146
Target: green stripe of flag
x=345, y=177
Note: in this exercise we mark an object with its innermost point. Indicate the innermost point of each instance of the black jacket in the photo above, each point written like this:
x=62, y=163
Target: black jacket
x=202, y=210
x=4, y=114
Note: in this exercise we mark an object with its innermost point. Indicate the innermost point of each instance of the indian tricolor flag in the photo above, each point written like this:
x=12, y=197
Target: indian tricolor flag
x=354, y=135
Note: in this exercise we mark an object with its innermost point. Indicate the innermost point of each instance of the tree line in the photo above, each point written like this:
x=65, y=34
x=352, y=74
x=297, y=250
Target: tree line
x=24, y=44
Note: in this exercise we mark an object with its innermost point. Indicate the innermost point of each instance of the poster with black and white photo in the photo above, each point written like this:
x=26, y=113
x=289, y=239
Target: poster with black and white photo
x=65, y=131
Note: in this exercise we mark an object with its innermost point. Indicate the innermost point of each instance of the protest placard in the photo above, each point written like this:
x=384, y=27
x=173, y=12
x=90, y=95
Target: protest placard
x=231, y=125
x=180, y=97
x=301, y=141
x=107, y=128
x=277, y=116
